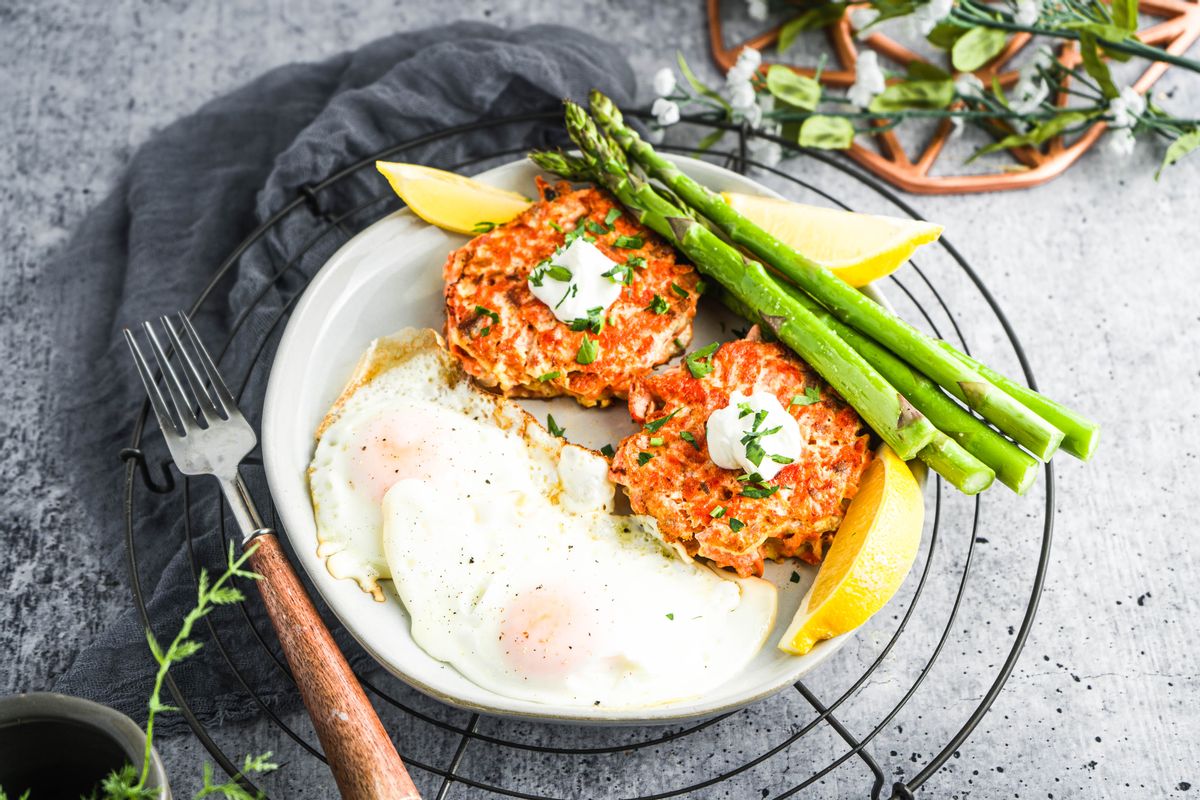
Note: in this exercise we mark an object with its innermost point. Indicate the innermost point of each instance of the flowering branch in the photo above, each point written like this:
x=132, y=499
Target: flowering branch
x=778, y=101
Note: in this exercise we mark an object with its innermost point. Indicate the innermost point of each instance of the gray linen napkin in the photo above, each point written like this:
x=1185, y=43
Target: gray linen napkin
x=187, y=198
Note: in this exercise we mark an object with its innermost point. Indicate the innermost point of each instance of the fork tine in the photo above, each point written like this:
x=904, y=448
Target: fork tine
x=179, y=398
x=224, y=398
x=166, y=422
x=194, y=378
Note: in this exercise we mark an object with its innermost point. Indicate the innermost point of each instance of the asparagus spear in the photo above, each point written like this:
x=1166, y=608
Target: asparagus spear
x=1082, y=435
x=844, y=301
x=900, y=425
x=1015, y=468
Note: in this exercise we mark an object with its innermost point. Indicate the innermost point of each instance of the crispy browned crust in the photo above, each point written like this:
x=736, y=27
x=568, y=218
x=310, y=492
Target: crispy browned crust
x=528, y=342
x=681, y=487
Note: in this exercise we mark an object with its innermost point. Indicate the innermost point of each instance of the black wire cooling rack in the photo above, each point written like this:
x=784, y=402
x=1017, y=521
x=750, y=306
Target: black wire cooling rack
x=808, y=743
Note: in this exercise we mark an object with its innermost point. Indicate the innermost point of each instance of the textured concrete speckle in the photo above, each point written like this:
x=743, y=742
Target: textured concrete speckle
x=1094, y=270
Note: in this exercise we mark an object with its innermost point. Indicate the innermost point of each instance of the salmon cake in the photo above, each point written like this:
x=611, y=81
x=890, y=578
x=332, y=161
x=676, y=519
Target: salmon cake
x=733, y=518
x=513, y=343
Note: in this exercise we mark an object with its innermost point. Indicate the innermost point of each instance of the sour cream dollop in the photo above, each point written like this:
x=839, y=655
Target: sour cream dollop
x=759, y=412
x=573, y=282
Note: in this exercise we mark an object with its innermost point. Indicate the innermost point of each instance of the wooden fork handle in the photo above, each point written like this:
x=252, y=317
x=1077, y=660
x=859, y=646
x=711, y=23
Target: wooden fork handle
x=361, y=755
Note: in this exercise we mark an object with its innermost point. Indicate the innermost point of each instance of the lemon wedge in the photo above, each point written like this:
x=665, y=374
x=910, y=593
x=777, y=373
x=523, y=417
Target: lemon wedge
x=872, y=553
x=858, y=248
x=451, y=201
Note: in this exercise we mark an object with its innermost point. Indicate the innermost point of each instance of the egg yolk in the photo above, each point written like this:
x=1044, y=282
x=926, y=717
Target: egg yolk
x=399, y=447
x=545, y=632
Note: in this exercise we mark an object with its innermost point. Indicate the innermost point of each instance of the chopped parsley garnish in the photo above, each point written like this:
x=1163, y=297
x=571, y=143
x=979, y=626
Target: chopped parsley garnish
x=637, y=262
x=628, y=242
x=751, y=440
x=656, y=441
x=546, y=269
x=484, y=311
x=795, y=577
x=679, y=290
x=671, y=616
x=572, y=290
x=811, y=395
x=555, y=226
x=549, y=376
x=608, y=450
x=553, y=427
x=483, y=227
x=643, y=458
x=654, y=425
x=760, y=491
x=687, y=437
x=753, y=477
x=736, y=525
x=612, y=216
x=717, y=512
x=782, y=459
x=699, y=363
x=620, y=273
x=594, y=321
x=701, y=287
x=658, y=305
x=588, y=351
x=594, y=227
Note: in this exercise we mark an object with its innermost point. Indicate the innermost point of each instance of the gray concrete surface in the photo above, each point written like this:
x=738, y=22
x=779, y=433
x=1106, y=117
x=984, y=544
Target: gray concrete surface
x=1096, y=272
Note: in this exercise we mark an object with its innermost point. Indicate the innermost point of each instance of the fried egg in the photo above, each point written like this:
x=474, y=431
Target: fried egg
x=503, y=546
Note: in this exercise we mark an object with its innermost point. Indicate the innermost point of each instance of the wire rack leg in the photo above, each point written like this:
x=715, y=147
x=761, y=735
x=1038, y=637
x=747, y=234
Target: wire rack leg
x=444, y=790
x=847, y=737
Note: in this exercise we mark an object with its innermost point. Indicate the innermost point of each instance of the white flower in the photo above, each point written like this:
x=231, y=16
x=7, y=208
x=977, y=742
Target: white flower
x=1126, y=108
x=967, y=85
x=748, y=61
x=862, y=18
x=927, y=16
x=742, y=96
x=664, y=82
x=763, y=151
x=1121, y=141
x=868, y=79
x=757, y=10
x=1028, y=12
x=665, y=112
x=1030, y=91
x=752, y=115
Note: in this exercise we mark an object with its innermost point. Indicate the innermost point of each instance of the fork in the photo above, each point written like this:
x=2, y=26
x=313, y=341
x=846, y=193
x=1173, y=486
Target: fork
x=207, y=435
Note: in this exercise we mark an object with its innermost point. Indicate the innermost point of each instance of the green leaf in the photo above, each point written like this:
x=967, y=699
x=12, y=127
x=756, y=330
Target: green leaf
x=924, y=71
x=944, y=35
x=812, y=394
x=1125, y=14
x=1096, y=67
x=225, y=595
x=792, y=88
x=697, y=84
x=821, y=16
x=186, y=649
x=553, y=427
x=654, y=425
x=1038, y=134
x=977, y=47
x=914, y=94
x=826, y=133
x=1179, y=148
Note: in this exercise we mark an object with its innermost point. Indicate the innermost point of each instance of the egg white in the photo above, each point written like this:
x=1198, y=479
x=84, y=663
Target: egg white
x=502, y=544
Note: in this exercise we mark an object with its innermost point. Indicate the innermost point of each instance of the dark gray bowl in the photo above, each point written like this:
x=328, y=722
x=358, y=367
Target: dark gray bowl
x=60, y=747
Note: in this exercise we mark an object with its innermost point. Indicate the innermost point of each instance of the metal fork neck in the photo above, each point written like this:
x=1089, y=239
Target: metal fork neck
x=242, y=504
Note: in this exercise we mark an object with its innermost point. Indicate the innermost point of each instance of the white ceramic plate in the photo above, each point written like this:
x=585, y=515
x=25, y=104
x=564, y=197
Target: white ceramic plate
x=390, y=277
